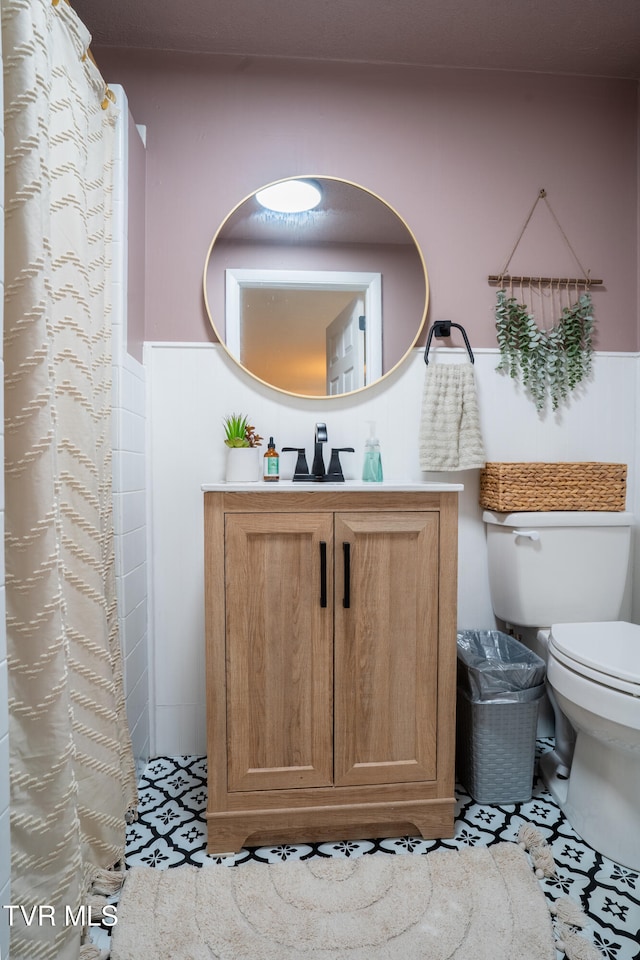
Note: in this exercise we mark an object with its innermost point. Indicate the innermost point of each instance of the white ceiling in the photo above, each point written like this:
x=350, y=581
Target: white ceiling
x=588, y=37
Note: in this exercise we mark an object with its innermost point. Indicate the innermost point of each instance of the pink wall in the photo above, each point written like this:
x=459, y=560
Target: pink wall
x=461, y=155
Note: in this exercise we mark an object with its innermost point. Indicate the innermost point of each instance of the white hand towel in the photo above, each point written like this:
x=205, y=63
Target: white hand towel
x=450, y=437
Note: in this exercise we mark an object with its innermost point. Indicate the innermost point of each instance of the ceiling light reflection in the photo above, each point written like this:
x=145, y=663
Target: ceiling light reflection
x=290, y=196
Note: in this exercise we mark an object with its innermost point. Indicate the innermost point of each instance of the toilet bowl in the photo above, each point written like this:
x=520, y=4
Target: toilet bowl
x=560, y=577
x=593, y=670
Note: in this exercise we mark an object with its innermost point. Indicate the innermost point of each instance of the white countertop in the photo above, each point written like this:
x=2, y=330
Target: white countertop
x=306, y=486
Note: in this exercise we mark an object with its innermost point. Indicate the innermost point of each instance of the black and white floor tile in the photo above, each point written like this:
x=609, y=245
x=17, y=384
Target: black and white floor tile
x=171, y=830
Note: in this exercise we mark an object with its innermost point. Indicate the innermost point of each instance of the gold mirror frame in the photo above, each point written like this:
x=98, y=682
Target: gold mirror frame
x=338, y=184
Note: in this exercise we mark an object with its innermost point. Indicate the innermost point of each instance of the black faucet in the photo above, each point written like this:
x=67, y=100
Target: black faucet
x=318, y=470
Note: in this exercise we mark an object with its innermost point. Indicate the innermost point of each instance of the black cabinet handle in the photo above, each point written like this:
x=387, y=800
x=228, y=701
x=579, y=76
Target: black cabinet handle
x=346, y=600
x=323, y=573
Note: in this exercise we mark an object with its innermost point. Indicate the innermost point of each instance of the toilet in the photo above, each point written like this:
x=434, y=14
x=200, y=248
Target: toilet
x=557, y=581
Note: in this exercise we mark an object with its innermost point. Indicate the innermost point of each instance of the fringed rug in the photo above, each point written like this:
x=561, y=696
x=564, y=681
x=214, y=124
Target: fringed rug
x=483, y=903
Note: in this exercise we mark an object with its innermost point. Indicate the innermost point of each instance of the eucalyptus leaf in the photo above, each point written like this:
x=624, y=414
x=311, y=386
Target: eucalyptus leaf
x=550, y=363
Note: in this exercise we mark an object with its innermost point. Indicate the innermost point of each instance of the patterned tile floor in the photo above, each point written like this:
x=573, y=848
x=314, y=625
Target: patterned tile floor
x=171, y=830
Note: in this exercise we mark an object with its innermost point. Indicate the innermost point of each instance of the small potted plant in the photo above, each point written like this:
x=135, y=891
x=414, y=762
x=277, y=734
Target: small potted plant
x=243, y=463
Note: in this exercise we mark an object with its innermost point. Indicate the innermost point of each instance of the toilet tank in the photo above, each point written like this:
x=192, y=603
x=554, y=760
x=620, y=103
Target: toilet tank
x=557, y=567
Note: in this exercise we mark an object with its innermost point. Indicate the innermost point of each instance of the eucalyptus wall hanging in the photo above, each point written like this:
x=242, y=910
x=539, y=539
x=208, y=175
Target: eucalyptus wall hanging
x=553, y=358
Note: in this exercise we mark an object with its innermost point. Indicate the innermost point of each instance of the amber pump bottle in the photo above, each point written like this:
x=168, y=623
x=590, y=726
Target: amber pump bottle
x=271, y=461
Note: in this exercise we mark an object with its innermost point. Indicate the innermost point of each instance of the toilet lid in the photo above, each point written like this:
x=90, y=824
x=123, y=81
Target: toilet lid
x=611, y=648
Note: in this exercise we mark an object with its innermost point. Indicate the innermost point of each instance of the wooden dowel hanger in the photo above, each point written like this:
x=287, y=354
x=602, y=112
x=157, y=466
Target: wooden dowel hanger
x=566, y=281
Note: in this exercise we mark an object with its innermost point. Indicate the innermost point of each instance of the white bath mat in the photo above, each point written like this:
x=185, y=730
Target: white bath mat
x=478, y=904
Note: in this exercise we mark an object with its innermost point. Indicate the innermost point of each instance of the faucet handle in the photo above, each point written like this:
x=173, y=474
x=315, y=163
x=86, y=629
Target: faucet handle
x=335, y=468
x=301, y=471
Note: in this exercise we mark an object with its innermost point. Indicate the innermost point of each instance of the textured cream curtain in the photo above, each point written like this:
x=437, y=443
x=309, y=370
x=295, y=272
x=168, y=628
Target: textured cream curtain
x=72, y=772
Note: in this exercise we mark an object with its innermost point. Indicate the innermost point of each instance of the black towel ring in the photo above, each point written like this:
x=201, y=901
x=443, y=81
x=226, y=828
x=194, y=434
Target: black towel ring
x=442, y=328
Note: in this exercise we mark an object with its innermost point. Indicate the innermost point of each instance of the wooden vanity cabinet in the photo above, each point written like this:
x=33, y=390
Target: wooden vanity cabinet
x=331, y=658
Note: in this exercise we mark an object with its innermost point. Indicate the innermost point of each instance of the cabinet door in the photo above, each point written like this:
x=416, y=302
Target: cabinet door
x=279, y=636
x=386, y=654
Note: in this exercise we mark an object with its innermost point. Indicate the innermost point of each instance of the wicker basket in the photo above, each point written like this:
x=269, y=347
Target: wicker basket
x=513, y=487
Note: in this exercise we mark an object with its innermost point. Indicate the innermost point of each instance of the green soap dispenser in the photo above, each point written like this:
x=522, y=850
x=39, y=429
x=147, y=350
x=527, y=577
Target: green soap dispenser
x=372, y=467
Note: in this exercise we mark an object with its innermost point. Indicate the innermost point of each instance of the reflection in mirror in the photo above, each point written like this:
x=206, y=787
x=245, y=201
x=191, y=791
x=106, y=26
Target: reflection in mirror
x=328, y=321
x=320, y=303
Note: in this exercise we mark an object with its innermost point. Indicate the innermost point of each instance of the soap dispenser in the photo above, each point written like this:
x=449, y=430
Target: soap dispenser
x=372, y=468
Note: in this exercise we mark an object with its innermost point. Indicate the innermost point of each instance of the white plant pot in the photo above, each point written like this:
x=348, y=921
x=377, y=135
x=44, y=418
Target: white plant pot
x=243, y=465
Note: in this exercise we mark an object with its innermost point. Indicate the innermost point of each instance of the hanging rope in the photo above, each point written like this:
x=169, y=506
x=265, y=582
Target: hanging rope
x=543, y=196
x=502, y=277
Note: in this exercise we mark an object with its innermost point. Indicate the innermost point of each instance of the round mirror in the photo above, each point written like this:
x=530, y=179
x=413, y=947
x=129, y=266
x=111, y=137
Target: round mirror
x=320, y=302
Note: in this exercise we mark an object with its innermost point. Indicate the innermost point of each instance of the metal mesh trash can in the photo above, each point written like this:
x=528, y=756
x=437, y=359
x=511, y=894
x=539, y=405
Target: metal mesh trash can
x=500, y=683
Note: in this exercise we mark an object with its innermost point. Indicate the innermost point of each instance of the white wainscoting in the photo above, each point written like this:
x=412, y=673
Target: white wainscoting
x=190, y=387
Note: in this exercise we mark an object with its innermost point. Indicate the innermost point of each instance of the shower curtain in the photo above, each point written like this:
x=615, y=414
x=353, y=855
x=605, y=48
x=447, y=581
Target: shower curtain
x=72, y=770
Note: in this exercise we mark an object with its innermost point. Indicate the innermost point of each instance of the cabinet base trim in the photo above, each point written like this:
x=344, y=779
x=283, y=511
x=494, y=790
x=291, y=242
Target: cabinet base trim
x=229, y=832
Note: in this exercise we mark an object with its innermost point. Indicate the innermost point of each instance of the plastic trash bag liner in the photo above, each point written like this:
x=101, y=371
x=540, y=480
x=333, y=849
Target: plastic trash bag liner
x=494, y=666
